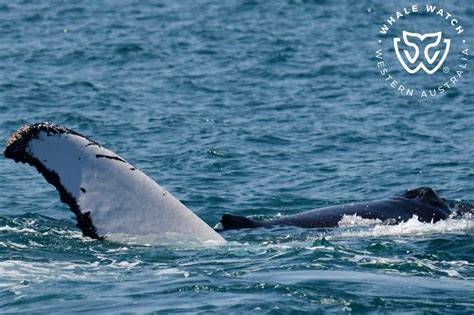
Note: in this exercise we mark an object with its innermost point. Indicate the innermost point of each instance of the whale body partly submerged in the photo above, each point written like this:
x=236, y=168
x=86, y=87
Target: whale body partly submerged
x=110, y=197
x=422, y=202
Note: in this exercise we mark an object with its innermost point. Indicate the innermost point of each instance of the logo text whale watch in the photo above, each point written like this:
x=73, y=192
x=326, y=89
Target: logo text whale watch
x=421, y=57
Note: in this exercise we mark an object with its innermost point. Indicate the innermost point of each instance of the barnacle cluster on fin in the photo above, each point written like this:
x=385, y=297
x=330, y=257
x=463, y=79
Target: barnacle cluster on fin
x=15, y=149
x=16, y=143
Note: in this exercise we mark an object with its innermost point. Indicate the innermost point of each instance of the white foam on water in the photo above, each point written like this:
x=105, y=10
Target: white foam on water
x=17, y=246
x=453, y=273
x=118, y=250
x=411, y=227
x=16, y=275
x=18, y=271
x=162, y=239
x=450, y=268
x=172, y=271
x=11, y=229
x=355, y=220
x=126, y=264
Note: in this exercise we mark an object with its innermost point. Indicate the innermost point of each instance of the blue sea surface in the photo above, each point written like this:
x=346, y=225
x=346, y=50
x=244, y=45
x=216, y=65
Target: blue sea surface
x=255, y=108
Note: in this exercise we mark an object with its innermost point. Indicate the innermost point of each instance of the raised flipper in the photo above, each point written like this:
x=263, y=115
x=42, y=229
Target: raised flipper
x=107, y=194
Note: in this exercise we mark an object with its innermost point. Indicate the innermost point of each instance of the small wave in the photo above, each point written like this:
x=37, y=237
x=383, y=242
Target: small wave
x=167, y=239
x=413, y=265
x=11, y=229
x=17, y=274
x=172, y=272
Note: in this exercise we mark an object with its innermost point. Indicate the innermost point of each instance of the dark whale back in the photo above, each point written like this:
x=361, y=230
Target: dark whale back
x=422, y=202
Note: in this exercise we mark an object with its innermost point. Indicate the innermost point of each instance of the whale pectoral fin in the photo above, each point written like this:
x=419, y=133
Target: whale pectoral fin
x=109, y=196
x=234, y=222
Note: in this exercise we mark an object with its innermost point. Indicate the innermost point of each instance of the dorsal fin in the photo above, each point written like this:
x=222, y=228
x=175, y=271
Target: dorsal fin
x=233, y=222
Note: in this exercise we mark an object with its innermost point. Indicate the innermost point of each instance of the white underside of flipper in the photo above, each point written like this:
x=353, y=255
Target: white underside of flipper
x=122, y=201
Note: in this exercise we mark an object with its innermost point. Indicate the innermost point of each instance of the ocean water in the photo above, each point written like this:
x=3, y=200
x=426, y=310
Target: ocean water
x=258, y=108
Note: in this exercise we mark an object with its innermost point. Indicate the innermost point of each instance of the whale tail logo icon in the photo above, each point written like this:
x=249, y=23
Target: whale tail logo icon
x=412, y=61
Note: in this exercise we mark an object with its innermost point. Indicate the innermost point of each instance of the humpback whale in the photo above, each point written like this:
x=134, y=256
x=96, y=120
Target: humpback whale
x=111, y=197
x=108, y=195
x=422, y=202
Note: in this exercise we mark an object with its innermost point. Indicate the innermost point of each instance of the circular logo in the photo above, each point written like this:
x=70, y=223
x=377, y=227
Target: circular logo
x=421, y=51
